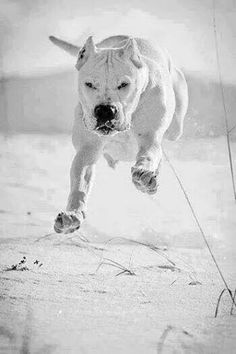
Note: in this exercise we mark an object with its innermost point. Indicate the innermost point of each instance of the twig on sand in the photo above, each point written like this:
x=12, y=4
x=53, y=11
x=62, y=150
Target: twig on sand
x=195, y=282
x=154, y=249
x=45, y=237
x=169, y=267
x=174, y=281
x=110, y=262
x=148, y=245
x=82, y=237
x=199, y=226
x=219, y=300
x=125, y=270
x=157, y=250
x=233, y=303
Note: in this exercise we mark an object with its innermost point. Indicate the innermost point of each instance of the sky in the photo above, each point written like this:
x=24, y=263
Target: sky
x=183, y=27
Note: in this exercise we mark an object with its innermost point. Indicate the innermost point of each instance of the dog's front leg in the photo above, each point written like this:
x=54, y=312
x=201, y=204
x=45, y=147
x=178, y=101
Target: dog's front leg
x=81, y=175
x=145, y=172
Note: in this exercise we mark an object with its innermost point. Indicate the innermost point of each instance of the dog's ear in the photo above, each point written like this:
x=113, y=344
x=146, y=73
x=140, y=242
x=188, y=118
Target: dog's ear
x=131, y=51
x=88, y=49
x=68, y=47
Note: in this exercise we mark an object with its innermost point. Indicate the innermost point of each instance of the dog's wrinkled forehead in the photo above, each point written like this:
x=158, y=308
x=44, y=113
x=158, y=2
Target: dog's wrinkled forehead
x=105, y=67
x=96, y=58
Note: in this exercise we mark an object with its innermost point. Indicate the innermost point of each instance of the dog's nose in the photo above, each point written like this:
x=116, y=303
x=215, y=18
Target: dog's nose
x=105, y=112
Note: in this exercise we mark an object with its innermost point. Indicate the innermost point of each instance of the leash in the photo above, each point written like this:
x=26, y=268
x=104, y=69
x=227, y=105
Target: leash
x=199, y=227
x=228, y=131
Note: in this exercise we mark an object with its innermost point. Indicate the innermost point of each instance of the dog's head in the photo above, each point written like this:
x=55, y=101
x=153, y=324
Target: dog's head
x=111, y=81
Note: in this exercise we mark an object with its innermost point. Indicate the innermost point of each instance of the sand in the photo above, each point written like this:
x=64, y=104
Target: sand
x=70, y=297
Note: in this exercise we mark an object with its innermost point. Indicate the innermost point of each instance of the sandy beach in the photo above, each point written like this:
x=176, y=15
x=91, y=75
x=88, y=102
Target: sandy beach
x=127, y=282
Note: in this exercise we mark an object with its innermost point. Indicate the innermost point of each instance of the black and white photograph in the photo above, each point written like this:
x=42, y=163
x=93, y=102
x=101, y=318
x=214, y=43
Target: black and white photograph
x=117, y=177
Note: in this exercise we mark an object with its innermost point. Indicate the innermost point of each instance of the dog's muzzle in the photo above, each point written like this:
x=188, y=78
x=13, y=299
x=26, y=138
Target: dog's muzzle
x=106, y=116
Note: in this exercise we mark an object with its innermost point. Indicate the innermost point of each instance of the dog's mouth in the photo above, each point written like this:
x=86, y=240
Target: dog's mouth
x=106, y=129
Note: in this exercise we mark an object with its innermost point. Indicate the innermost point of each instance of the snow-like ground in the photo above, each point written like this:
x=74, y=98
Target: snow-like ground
x=70, y=304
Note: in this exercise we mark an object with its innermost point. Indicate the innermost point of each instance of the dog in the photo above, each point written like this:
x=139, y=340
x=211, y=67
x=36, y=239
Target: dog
x=129, y=96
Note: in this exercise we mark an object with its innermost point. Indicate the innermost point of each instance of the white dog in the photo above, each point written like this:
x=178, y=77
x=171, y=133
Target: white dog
x=130, y=95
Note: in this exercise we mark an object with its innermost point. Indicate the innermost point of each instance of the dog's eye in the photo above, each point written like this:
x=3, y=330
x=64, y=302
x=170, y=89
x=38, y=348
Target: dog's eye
x=122, y=85
x=90, y=85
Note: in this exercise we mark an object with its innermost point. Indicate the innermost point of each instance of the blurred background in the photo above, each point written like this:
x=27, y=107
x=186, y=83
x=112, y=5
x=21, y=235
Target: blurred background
x=38, y=81
x=39, y=92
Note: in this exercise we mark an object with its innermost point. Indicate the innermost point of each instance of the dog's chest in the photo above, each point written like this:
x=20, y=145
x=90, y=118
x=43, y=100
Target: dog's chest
x=123, y=147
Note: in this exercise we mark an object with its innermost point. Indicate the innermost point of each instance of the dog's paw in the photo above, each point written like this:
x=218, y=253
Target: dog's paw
x=144, y=180
x=68, y=222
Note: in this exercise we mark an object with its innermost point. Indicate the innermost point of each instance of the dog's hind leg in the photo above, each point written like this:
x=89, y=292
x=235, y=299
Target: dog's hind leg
x=175, y=129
